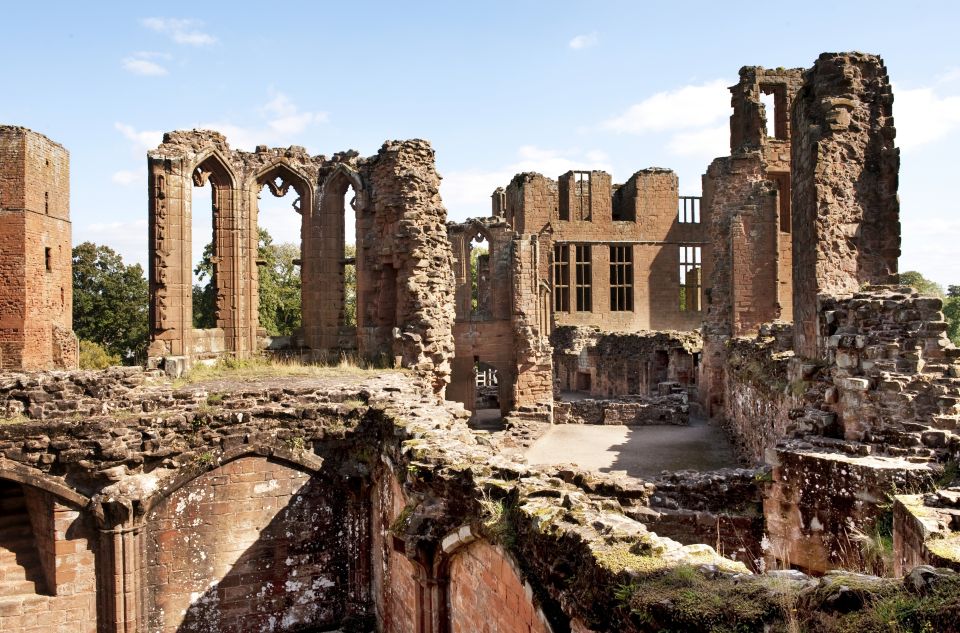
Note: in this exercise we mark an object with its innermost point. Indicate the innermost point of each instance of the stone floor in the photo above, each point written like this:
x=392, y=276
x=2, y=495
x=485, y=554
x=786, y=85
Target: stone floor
x=641, y=451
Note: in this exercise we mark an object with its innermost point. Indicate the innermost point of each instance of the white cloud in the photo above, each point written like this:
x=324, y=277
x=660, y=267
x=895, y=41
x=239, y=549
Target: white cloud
x=181, y=31
x=287, y=118
x=922, y=116
x=466, y=193
x=686, y=107
x=705, y=143
x=584, y=41
x=282, y=121
x=126, y=177
x=143, y=67
x=143, y=139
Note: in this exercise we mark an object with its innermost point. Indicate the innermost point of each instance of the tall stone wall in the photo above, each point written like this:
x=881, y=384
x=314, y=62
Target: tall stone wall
x=403, y=264
x=36, y=296
x=846, y=214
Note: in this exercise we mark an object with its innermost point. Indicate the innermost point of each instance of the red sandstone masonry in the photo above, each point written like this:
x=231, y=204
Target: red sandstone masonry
x=36, y=297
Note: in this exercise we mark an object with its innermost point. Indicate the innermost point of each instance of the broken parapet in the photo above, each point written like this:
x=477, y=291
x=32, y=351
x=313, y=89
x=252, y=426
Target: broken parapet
x=846, y=229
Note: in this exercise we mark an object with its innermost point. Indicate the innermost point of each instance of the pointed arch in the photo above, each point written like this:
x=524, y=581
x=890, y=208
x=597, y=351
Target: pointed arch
x=299, y=460
x=213, y=162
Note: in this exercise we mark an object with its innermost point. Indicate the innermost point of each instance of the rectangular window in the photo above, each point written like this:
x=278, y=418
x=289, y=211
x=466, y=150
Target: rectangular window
x=690, y=273
x=584, y=277
x=561, y=278
x=689, y=211
x=621, y=278
x=581, y=194
x=48, y=258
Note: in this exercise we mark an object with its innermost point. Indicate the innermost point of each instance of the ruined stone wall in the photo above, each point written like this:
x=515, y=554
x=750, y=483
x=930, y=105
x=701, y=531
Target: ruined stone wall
x=641, y=216
x=36, y=298
x=413, y=273
x=404, y=282
x=819, y=499
x=631, y=411
x=612, y=364
x=393, y=575
x=846, y=226
x=508, y=328
x=256, y=540
x=58, y=595
x=760, y=392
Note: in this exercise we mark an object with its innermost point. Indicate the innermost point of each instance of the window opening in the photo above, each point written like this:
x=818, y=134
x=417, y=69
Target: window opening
x=561, y=278
x=621, y=278
x=584, y=278
x=690, y=273
x=581, y=192
x=278, y=257
x=689, y=210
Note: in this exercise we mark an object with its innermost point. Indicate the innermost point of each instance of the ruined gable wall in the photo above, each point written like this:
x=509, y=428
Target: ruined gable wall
x=846, y=228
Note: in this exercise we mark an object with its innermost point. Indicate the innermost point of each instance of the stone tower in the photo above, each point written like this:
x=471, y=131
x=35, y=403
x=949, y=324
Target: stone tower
x=36, y=285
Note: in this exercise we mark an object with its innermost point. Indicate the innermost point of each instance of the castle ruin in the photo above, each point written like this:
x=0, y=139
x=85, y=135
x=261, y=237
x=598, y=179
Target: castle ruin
x=368, y=503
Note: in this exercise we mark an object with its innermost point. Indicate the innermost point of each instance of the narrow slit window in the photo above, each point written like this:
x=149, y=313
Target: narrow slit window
x=48, y=258
x=621, y=278
x=689, y=210
x=584, y=278
x=561, y=278
x=691, y=270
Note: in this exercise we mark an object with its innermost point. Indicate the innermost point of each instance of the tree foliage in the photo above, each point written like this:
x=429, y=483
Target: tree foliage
x=110, y=302
x=350, y=287
x=279, y=308
x=921, y=284
x=951, y=299
x=93, y=356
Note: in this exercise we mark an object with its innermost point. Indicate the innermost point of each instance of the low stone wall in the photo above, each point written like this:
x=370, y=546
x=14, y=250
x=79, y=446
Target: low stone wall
x=926, y=530
x=671, y=409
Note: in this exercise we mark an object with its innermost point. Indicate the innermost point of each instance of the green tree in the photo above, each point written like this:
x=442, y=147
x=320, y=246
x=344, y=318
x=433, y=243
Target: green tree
x=475, y=254
x=279, y=308
x=951, y=312
x=350, y=287
x=93, y=356
x=921, y=284
x=205, y=294
x=110, y=302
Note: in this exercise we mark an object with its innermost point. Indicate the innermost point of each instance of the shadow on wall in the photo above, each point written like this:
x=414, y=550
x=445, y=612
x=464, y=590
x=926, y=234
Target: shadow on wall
x=253, y=545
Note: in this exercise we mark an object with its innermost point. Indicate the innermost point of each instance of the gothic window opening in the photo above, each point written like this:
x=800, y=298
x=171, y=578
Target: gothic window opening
x=480, y=275
x=279, y=209
x=204, y=249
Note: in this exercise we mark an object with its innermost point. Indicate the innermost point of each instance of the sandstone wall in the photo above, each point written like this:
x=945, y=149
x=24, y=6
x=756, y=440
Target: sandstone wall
x=36, y=297
x=846, y=214
x=251, y=544
x=487, y=594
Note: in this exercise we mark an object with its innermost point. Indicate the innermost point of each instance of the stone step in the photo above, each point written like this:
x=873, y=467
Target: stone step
x=17, y=588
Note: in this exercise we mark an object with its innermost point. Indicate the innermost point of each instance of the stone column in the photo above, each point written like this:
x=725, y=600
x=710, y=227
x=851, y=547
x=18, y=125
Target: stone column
x=120, y=587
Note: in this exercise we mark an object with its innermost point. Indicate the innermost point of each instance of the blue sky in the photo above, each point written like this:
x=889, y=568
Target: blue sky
x=497, y=87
